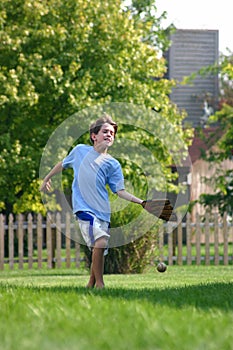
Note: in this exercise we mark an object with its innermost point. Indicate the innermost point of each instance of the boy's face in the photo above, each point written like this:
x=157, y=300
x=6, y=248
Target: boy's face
x=105, y=136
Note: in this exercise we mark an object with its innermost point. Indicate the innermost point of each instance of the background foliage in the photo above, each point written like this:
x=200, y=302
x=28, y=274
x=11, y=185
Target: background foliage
x=58, y=57
x=222, y=181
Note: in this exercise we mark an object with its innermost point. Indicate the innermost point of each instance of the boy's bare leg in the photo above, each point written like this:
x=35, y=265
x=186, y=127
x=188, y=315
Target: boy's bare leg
x=97, y=266
x=98, y=262
x=91, y=282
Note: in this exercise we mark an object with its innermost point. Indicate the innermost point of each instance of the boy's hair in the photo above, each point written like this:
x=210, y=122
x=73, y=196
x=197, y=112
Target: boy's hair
x=96, y=126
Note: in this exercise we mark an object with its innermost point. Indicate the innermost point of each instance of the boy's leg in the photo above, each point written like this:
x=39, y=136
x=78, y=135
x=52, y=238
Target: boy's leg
x=97, y=267
x=97, y=230
x=91, y=282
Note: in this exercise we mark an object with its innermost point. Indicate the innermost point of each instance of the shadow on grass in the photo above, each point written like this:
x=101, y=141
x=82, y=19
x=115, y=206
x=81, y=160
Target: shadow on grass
x=203, y=296
x=216, y=295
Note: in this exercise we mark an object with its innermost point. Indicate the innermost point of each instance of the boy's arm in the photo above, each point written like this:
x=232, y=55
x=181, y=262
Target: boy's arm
x=46, y=184
x=129, y=197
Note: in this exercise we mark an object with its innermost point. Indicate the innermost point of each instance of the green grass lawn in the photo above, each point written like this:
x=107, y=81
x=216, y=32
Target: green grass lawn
x=186, y=308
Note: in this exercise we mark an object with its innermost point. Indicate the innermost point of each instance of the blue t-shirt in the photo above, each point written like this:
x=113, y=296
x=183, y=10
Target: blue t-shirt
x=92, y=172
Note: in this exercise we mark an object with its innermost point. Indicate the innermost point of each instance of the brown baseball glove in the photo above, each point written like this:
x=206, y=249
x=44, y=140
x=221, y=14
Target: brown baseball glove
x=161, y=208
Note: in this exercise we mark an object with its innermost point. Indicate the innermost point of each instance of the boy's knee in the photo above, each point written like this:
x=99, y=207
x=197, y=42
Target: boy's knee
x=101, y=242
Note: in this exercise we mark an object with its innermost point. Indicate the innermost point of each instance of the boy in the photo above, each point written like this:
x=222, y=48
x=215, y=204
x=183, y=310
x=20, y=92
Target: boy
x=93, y=169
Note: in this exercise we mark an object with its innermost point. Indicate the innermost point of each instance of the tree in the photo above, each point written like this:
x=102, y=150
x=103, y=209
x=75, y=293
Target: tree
x=226, y=75
x=222, y=181
x=59, y=57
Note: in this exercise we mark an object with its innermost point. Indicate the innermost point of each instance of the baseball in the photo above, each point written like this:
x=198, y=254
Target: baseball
x=161, y=267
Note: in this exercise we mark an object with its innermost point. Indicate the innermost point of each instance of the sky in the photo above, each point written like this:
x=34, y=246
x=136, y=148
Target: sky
x=201, y=14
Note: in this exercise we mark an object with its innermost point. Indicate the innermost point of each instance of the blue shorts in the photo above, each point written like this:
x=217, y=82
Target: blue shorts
x=92, y=228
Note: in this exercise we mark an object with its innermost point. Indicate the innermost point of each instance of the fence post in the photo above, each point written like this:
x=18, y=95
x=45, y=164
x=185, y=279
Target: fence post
x=198, y=240
x=30, y=241
x=216, y=240
x=20, y=240
x=49, y=242
x=2, y=241
x=188, y=240
x=11, y=241
x=180, y=240
x=67, y=240
x=170, y=243
x=39, y=240
x=225, y=240
x=58, y=238
x=207, y=239
x=53, y=248
x=161, y=242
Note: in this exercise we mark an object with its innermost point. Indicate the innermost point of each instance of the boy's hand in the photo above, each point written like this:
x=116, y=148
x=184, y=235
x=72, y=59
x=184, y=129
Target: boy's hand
x=46, y=186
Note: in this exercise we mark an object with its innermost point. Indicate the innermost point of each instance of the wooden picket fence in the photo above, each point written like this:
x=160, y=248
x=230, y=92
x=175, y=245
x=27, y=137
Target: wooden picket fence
x=48, y=243
x=42, y=239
